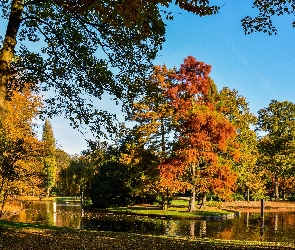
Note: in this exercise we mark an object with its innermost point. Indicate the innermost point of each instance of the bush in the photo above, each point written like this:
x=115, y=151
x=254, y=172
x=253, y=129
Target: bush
x=111, y=186
x=238, y=197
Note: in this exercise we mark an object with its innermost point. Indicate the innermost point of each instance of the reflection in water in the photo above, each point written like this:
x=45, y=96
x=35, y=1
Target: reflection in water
x=192, y=228
x=203, y=228
x=51, y=213
x=248, y=226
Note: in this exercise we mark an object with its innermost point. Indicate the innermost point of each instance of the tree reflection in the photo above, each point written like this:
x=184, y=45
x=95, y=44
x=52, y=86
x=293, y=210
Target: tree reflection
x=277, y=226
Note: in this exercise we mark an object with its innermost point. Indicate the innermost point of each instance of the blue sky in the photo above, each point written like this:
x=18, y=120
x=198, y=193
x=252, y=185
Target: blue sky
x=260, y=67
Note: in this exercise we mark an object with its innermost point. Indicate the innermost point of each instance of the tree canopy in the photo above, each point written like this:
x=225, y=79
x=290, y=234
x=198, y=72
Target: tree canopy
x=202, y=134
x=277, y=146
x=90, y=49
x=94, y=49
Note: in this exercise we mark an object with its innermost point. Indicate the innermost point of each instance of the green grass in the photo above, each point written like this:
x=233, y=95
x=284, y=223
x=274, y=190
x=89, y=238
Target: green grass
x=179, y=202
x=184, y=202
x=177, y=209
x=174, y=211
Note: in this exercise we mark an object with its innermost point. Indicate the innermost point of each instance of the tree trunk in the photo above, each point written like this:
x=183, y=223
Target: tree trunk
x=276, y=188
x=163, y=148
x=248, y=194
x=165, y=200
x=192, y=207
x=204, y=199
x=7, y=51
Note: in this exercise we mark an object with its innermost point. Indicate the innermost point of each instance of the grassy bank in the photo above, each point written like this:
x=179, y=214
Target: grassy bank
x=24, y=236
x=171, y=212
x=177, y=210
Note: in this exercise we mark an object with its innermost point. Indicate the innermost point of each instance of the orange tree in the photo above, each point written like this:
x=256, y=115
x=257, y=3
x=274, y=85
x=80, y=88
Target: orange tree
x=21, y=153
x=204, y=136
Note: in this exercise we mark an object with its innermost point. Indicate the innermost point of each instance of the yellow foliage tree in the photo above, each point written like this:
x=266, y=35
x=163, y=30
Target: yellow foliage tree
x=21, y=153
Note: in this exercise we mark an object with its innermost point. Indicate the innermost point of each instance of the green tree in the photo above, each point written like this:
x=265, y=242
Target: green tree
x=153, y=114
x=277, y=147
x=111, y=186
x=63, y=160
x=141, y=160
x=49, y=168
x=236, y=109
x=77, y=177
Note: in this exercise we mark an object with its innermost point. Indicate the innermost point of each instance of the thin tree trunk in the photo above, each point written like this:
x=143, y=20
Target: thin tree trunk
x=248, y=194
x=7, y=51
x=163, y=148
x=165, y=200
x=284, y=194
x=204, y=200
x=276, y=188
x=192, y=207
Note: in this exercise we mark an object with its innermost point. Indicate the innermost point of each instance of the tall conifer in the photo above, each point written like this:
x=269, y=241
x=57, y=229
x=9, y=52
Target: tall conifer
x=49, y=168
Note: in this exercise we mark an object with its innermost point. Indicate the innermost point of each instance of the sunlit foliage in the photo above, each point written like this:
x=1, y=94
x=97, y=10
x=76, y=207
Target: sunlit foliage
x=21, y=153
x=277, y=146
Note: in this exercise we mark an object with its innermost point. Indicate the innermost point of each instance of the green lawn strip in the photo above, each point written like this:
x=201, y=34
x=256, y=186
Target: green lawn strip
x=171, y=212
x=184, y=201
x=12, y=233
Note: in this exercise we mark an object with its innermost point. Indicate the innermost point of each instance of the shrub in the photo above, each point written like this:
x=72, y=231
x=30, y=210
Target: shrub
x=111, y=187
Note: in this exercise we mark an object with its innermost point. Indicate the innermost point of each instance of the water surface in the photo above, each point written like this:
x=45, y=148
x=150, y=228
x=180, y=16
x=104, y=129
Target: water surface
x=277, y=226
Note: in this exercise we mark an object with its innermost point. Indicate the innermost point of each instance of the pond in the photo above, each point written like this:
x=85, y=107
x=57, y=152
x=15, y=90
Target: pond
x=278, y=226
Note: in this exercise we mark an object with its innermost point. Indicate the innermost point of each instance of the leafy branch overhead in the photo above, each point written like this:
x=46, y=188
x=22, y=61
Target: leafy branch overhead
x=94, y=49
x=267, y=9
